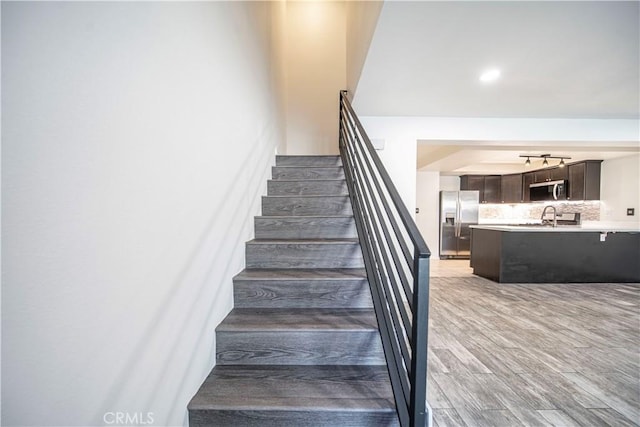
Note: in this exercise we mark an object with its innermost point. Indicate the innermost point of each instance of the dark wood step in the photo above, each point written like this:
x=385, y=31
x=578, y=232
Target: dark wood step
x=322, y=161
x=310, y=289
x=294, y=396
x=303, y=274
x=296, y=336
x=306, y=205
x=309, y=187
x=297, y=172
x=313, y=253
x=305, y=227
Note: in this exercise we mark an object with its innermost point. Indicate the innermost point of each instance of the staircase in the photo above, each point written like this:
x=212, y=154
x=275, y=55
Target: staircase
x=302, y=346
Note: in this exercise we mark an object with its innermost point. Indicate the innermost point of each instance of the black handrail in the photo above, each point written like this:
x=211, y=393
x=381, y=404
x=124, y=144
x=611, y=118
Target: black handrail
x=397, y=264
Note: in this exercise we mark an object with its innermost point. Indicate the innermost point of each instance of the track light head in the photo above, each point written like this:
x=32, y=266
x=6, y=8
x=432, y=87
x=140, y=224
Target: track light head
x=527, y=163
x=545, y=162
x=561, y=164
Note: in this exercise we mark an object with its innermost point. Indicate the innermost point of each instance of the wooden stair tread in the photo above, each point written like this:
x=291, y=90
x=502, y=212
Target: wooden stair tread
x=304, y=217
x=307, y=196
x=281, y=274
x=285, y=180
x=299, y=320
x=344, y=240
x=296, y=387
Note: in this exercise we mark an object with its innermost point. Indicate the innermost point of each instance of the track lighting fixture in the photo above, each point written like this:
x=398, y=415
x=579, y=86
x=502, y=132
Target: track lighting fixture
x=545, y=158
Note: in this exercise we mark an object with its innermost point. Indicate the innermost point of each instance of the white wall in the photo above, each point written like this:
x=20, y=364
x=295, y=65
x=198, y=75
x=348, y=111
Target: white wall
x=399, y=157
x=315, y=73
x=362, y=17
x=449, y=183
x=620, y=188
x=427, y=200
x=136, y=143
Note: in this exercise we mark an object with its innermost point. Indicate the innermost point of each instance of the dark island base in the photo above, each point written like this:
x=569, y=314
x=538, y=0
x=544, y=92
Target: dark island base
x=555, y=257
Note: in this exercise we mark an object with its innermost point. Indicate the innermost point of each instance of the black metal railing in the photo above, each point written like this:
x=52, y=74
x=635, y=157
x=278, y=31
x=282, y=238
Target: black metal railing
x=397, y=264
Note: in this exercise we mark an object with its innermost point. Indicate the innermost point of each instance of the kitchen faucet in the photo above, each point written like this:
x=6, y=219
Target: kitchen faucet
x=554, y=222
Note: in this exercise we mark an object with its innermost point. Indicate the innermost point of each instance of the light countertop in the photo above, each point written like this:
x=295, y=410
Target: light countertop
x=591, y=227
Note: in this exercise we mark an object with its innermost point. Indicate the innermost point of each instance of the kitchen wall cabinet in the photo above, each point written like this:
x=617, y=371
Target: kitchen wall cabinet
x=583, y=183
x=511, y=188
x=584, y=180
x=492, y=188
x=487, y=185
x=551, y=174
x=527, y=179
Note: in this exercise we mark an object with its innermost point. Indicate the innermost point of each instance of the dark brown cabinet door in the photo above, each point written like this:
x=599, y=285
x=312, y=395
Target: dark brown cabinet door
x=584, y=180
x=576, y=181
x=492, y=184
x=551, y=174
x=511, y=188
x=542, y=175
x=558, y=173
x=472, y=182
x=527, y=179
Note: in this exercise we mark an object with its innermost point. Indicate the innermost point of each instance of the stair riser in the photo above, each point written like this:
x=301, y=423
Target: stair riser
x=300, y=161
x=305, y=228
x=302, y=255
x=307, y=188
x=299, y=348
x=256, y=418
x=302, y=294
x=305, y=206
x=293, y=173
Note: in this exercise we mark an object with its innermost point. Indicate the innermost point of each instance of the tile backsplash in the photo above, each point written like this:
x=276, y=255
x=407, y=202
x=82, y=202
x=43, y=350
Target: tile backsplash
x=528, y=212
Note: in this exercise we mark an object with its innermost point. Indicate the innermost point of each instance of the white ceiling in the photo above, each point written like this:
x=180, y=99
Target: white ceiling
x=558, y=60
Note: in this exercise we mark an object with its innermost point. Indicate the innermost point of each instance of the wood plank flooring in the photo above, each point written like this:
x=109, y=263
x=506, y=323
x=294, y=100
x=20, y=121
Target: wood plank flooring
x=532, y=354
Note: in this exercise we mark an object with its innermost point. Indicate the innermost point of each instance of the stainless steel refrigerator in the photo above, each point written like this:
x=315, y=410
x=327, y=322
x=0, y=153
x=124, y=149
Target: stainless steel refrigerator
x=458, y=210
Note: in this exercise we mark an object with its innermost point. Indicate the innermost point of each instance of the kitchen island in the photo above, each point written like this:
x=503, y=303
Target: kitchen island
x=562, y=254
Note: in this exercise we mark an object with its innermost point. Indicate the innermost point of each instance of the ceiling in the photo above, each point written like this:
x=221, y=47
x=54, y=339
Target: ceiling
x=571, y=60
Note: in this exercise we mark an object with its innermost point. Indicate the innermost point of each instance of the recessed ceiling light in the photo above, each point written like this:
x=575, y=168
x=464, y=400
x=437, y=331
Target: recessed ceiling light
x=490, y=76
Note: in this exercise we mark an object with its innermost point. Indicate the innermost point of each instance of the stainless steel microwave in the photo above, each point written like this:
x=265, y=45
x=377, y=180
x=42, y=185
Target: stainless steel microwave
x=548, y=190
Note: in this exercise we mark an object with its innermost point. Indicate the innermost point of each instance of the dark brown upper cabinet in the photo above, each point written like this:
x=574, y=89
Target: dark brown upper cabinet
x=527, y=179
x=511, y=188
x=583, y=183
x=492, y=188
x=550, y=174
x=488, y=186
x=584, y=180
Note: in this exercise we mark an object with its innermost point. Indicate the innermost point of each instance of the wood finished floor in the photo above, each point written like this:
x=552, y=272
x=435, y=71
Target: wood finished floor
x=532, y=354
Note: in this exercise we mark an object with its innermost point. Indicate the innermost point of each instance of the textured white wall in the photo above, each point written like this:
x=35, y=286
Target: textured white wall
x=137, y=139
x=620, y=188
